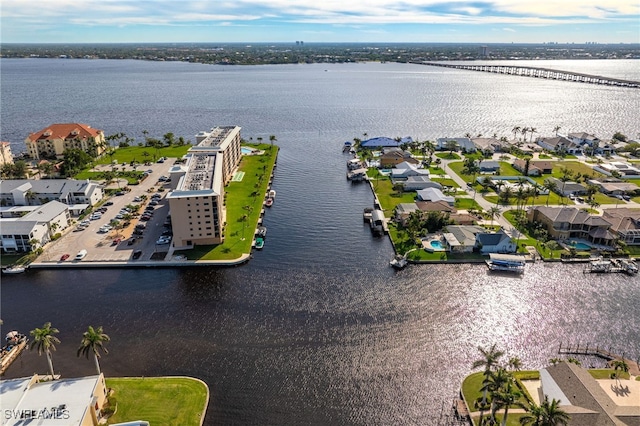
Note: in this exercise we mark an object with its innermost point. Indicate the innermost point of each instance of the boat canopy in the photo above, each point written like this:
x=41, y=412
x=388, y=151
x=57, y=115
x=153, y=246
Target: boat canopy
x=507, y=257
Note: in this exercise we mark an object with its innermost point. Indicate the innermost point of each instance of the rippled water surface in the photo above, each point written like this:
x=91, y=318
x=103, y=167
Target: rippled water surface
x=316, y=329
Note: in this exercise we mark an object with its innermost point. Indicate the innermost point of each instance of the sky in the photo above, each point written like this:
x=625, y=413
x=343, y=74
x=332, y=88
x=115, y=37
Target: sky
x=317, y=21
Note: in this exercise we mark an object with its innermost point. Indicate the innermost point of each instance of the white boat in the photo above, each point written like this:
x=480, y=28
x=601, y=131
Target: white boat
x=14, y=270
x=629, y=266
x=506, y=263
x=272, y=193
x=399, y=262
x=262, y=231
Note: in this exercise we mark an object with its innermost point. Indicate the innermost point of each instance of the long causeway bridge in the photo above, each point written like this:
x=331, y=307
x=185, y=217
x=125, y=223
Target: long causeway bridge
x=539, y=73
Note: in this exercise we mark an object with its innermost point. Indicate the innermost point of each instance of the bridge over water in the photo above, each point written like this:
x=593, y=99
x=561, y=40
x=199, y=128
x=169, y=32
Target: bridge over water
x=539, y=73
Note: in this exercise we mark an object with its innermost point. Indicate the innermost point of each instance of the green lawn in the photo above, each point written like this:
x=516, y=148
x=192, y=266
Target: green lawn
x=137, y=154
x=242, y=198
x=388, y=198
x=159, y=400
x=605, y=373
x=448, y=155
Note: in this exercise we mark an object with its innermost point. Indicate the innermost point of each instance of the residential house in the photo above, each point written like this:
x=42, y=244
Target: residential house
x=403, y=170
x=559, y=144
x=391, y=157
x=463, y=144
x=461, y=238
x=436, y=206
x=463, y=219
x=568, y=188
x=52, y=141
x=66, y=401
x=34, y=229
x=403, y=211
x=434, y=194
x=590, y=144
x=490, y=145
x=6, y=157
x=416, y=183
x=381, y=142
x=624, y=169
x=584, y=398
x=488, y=166
x=536, y=168
x=614, y=187
x=564, y=223
x=625, y=223
x=495, y=242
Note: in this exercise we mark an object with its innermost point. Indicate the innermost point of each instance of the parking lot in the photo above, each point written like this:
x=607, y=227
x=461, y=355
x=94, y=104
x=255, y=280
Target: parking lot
x=104, y=246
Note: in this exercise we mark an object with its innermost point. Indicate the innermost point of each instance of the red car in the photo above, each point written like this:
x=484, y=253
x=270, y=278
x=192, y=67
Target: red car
x=116, y=242
x=64, y=257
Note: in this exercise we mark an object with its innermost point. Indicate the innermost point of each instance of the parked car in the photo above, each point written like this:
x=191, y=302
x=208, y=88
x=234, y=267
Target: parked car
x=131, y=241
x=81, y=254
x=116, y=242
x=64, y=257
x=137, y=254
x=108, y=203
x=163, y=240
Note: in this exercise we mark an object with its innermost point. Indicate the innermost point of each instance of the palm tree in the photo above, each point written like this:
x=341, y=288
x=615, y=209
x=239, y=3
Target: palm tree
x=545, y=414
x=619, y=366
x=515, y=131
x=489, y=360
x=272, y=139
x=550, y=186
x=92, y=341
x=555, y=129
x=532, y=130
x=493, y=212
x=45, y=341
x=494, y=384
x=515, y=363
x=507, y=397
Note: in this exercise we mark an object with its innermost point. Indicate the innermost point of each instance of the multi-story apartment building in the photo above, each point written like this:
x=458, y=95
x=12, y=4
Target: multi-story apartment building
x=197, y=201
x=6, y=157
x=51, y=142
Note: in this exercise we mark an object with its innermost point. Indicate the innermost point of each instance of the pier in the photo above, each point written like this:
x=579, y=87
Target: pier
x=607, y=355
x=536, y=72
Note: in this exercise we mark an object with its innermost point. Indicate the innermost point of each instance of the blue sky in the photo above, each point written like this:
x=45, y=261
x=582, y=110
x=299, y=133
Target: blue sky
x=490, y=21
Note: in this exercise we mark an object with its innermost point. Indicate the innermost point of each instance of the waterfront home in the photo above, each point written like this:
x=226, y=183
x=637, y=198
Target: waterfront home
x=391, y=157
x=587, y=400
x=463, y=219
x=416, y=183
x=381, y=142
x=565, y=223
x=490, y=145
x=568, y=188
x=6, y=156
x=625, y=223
x=34, y=229
x=462, y=238
x=536, y=168
x=462, y=144
x=559, y=144
x=495, y=242
x=403, y=210
x=403, y=170
x=489, y=166
x=66, y=401
x=52, y=141
x=436, y=206
x=590, y=144
x=77, y=194
x=434, y=194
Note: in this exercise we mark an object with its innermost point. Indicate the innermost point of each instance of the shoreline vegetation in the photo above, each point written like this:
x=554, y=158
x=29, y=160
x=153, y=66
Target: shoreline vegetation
x=299, y=52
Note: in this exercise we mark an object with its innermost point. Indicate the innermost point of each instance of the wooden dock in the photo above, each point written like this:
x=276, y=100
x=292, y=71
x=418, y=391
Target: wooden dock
x=10, y=356
x=536, y=72
x=602, y=353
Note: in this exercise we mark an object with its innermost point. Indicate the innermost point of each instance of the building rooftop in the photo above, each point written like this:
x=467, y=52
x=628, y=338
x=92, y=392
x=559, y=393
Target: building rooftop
x=65, y=131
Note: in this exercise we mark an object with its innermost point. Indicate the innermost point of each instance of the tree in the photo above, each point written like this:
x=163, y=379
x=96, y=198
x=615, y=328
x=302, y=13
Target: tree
x=515, y=363
x=489, y=360
x=507, y=396
x=92, y=341
x=74, y=161
x=493, y=212
x=45, y=341
x=515, y=131
x=619, y=366
x=565, y=176
x=168, y=139
x=550, y=186
x=619, y=137
x=545, y=414
x=451, y=146
x=556, y=129
x=532, y=130
x=272, y=139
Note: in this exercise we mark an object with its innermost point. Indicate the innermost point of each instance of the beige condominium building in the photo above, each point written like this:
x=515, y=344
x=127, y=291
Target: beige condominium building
x=6, y=157
x=197, y=201
x=52, y=141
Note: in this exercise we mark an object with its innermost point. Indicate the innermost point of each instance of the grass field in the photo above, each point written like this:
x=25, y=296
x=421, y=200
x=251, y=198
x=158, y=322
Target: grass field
x=159, y=400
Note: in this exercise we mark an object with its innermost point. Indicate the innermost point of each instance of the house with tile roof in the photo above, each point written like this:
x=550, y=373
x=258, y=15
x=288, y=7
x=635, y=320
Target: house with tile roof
x=559, y=144
x=536, y=168
x=564, y=223
x=463, y=144
x=568, y=188
x=490, y=145
x=393, y=156
x=52, y=141
x=625, y=223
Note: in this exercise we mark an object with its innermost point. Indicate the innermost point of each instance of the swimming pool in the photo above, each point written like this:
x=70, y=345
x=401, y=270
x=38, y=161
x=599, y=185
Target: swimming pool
x=246, y=151
x=580, y=246
x=436, y=244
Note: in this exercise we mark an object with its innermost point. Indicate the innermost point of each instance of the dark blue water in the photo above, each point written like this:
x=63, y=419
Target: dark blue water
x=316, y=328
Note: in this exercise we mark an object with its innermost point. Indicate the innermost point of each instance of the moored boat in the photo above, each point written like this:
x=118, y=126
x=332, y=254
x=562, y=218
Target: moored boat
x=262, y=231
x=506, y=263
x=259, y=243
x=15, y=344
x=272, y=193
x=14, y=270
x=399, y=262
x=268, y=202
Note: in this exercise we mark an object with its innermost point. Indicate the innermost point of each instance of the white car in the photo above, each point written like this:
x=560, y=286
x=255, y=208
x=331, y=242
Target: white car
x=81, y=254
x=163, y=240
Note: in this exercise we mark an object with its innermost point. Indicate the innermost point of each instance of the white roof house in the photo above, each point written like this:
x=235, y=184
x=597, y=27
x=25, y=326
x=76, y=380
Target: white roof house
x=65, y=402
x=415, y=183
x=434, y=194
x=39, y=225
x=404, y=170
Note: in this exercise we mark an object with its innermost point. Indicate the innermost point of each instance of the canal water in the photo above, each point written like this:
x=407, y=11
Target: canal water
x=316, y=328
